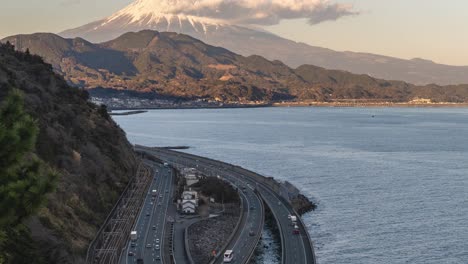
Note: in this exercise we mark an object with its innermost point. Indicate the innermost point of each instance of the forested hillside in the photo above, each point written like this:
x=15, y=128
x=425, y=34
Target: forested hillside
x=63, y=161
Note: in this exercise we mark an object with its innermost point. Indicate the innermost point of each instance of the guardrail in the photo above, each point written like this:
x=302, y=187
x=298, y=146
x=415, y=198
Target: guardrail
x=172, y=244
x=278, y=223
x=263, y=221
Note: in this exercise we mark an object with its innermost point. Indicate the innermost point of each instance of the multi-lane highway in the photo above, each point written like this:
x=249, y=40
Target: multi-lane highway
x=245, y=240
x=295, y=248
x=150, y=225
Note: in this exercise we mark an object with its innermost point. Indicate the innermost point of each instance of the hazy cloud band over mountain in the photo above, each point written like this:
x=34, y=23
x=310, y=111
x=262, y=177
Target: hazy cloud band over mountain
x=258, y=12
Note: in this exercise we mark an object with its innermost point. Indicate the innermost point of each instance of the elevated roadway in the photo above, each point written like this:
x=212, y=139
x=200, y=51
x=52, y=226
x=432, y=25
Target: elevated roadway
x=245, y=240
x=295, y=248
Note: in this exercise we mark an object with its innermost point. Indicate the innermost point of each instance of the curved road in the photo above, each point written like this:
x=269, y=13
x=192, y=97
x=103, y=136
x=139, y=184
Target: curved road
x=244, y=242
x=295, y=248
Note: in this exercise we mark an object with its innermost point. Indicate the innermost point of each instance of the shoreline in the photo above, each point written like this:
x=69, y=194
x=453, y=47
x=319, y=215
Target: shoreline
x=374, y=105
x=295, y=104
x=188, y=107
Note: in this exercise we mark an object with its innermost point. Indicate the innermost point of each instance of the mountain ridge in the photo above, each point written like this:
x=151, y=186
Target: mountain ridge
x=178, y=65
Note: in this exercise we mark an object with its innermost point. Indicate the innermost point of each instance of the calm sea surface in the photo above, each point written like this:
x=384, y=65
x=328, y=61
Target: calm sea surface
x=391, y=184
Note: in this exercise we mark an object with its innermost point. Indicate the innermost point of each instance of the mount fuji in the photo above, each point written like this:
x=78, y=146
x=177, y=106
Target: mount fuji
x=161, y=15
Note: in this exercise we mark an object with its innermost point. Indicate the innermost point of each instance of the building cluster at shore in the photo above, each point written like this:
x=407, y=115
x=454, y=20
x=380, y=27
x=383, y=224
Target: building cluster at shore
x=188, y=202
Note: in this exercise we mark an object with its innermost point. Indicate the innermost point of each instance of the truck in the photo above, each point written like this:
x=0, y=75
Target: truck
x=133, y=235
x=293, y=220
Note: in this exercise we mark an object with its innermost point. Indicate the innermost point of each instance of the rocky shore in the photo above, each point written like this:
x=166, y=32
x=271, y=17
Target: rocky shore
x=302, y=204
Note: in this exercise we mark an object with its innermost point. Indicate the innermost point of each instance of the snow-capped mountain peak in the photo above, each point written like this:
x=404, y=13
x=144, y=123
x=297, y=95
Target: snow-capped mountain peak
x=169, y=12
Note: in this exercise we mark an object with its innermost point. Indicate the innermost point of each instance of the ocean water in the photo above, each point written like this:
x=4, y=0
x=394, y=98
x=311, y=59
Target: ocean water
x=391, y=184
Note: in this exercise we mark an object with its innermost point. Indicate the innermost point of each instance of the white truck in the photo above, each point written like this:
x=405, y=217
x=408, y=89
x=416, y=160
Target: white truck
x=133, y=235
x=293, y=220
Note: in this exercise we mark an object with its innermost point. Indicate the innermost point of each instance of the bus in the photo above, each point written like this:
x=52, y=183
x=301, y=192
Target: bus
x=228, y=256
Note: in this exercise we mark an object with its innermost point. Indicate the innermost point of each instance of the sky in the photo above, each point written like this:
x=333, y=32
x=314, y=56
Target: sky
x=430, y=29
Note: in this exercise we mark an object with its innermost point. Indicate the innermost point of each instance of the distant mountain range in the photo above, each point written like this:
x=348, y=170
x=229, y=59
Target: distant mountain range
x=177, y=65
x=151, y=14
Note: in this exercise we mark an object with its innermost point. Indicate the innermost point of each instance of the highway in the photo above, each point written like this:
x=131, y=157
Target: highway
x=295, y=248
x=150, y=225
x=243, y=242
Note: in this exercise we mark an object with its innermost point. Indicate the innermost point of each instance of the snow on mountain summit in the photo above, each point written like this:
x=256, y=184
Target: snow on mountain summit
x=169, y=12
x=179, y=16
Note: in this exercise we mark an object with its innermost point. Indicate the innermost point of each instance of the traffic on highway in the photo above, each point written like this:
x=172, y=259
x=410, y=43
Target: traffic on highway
x=147, y=238
x=245, y=240
x=295, y=241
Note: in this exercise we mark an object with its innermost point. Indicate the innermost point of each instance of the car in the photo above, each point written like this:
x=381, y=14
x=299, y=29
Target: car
x=148, y=245
x=167, y=191
x=296, y=230
x=147, y=214
x=157, y=240
x=133, y=244
x=157, y=247
x=159, y=204
x=252, y=207
x=158, y=257
x=160, y=196
x=251, y=233
x=131, y=254
x=154, y=227
x=228, y=256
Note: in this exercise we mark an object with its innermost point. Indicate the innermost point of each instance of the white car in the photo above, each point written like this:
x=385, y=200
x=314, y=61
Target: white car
x=228, y=256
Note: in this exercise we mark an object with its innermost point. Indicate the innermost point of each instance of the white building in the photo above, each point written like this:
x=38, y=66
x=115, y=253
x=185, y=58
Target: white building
x=189, y=202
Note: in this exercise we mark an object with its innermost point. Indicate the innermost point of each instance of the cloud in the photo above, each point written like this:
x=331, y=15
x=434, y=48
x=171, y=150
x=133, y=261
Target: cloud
x=256, y=12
